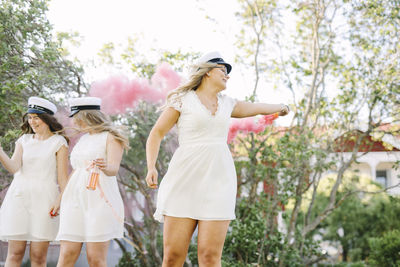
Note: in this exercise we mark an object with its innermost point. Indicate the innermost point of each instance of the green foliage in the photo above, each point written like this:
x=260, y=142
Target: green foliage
x=350, y=223
x=251, y=243
x=31, y=63
x=385, y=250
x=144, y=64
x=341, y=69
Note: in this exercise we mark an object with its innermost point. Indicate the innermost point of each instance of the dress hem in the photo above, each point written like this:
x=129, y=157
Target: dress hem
x=88, y=240
x=12, y=238
x=160, y=217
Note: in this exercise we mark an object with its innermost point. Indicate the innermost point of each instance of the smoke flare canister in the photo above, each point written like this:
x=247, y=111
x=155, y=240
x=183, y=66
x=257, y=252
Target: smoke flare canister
x=93, y=178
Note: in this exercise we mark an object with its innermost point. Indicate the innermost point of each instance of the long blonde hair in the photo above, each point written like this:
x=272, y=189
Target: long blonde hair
x=98, y=122
x=195, y=79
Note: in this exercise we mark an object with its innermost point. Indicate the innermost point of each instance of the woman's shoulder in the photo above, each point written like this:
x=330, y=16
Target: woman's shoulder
x=227, y=100
x=24, y=138
x=182, y=96
x=96, y=135
x=103, y=135
x=178, y=100
x=60, y=139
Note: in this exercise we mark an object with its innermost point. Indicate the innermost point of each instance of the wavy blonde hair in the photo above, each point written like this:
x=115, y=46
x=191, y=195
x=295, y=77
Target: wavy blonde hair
x=196, y=76
x=98, y=122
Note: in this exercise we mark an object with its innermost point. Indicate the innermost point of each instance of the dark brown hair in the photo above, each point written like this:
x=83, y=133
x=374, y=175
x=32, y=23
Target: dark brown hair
x=54, y=126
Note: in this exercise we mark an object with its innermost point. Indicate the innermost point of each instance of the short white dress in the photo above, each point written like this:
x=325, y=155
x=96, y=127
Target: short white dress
x=201, y=179
x=25, y=212
x=87, y=215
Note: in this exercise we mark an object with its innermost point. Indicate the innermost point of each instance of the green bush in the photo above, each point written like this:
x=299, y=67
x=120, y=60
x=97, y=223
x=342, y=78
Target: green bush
x=385, y=251
x=248, y=242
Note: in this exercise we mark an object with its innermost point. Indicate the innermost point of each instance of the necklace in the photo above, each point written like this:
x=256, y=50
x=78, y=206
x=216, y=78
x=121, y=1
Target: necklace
x=210, y=104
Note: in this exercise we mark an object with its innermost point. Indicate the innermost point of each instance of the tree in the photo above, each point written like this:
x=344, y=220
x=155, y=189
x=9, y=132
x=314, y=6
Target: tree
x=341, y=70
x=143, y=64
x=350, y=223
x=31, y=63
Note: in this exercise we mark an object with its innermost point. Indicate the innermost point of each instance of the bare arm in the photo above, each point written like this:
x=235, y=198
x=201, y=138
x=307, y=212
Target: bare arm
x=165, y=122
x=14, y=163
x=115, y=151
x=244, y=109
x=62, y=177
x=62, y=167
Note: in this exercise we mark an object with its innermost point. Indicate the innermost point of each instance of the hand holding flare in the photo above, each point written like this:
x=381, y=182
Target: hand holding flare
x=94, y=174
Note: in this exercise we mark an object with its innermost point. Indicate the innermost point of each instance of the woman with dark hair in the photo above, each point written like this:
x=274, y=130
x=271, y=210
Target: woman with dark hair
x=199, y=188
x=40, y=165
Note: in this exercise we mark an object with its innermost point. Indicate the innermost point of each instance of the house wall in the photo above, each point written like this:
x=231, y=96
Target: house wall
x=375, y=161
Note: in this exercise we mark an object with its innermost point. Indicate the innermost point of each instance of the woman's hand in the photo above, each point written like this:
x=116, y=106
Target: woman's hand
x=54, y=210
x=100, y=163
x=151, y=178
x=284, y=110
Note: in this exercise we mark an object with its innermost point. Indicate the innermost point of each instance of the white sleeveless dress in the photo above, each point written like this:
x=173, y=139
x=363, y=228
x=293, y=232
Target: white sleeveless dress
x=201, y=179
x=85, y=216
x=25, y=212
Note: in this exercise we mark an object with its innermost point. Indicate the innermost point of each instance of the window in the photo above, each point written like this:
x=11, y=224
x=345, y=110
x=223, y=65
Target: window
x=381, y=177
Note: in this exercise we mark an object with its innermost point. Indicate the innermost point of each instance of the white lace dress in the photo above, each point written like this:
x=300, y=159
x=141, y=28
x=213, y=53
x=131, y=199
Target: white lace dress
x=25, y=212
x=85, y=215
x=201, y=179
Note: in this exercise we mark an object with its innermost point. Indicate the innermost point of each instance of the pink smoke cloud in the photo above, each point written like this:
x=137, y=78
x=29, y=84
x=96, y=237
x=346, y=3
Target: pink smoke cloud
x=119, y=93
x=165, y=78
x=250, y=125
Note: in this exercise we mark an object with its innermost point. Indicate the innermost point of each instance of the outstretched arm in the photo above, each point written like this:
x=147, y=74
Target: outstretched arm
x=244, y=109
x=165, y=122
x=14, y=163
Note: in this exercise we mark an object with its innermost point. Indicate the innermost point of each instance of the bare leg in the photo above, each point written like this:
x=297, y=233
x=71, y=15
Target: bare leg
x=97, y=253
x=177, y=235
x=211, y=240
x=38, y=253
x=69, y=253
x=15, y=253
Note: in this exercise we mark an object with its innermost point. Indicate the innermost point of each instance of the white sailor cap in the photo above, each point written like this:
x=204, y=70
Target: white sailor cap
x=84, y=103
x=38, y=105
x=214, y=57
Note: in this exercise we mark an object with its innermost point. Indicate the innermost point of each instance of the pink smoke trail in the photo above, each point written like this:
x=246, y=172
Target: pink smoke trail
x=165, y=78
x=119, y=93
x=250, y=125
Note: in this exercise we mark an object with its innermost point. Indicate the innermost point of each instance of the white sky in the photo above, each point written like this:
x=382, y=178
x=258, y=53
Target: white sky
x=167, y=24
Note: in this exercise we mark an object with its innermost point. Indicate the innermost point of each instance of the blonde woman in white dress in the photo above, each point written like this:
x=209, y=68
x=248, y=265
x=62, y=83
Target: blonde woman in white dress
x=199, y=188
x=39, y=163
x=92, y=216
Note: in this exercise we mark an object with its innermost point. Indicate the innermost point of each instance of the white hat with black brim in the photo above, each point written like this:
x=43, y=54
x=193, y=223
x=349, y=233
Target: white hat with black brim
x=215, y=57
x=38, y=105
x=84, y=103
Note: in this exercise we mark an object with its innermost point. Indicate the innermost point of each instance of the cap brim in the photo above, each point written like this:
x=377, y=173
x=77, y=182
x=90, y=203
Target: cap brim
x=73, y=113
x=228, y=66
x=34, y=111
